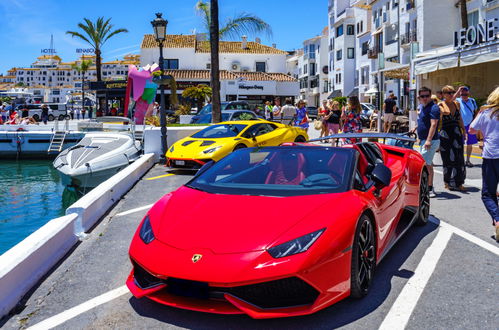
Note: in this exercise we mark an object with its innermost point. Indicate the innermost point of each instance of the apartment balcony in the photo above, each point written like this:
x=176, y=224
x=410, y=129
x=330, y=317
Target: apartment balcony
x=373, y=52
x=406, y=39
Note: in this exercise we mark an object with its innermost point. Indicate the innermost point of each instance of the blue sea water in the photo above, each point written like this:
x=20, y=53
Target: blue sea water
x=30, y=195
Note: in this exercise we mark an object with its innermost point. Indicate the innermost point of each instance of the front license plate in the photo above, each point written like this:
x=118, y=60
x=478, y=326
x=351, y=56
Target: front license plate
x=180, y=162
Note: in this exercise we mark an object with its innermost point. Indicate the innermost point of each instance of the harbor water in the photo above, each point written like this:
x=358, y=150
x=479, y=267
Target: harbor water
x=31, y=194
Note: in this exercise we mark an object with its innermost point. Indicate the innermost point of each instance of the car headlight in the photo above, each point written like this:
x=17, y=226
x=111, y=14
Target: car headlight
x=209, y=151
x=172, y=148
x=295, y=246
x=146, y=233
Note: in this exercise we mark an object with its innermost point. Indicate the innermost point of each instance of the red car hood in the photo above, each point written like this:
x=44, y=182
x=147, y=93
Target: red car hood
x=192, y=219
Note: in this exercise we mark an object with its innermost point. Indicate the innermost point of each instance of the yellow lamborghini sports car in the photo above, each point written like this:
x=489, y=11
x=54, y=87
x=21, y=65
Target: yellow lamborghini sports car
x=216, y=141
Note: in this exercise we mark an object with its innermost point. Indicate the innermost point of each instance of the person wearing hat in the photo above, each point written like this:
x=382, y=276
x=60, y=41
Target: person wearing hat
x=45, y=113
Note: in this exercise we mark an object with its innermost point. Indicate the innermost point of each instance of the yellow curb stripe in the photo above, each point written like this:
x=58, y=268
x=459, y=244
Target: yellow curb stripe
x=159, y=176
x=472, y=156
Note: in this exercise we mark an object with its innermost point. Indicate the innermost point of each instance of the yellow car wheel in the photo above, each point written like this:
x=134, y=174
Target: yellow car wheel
x=300, y=138
x=239, y=146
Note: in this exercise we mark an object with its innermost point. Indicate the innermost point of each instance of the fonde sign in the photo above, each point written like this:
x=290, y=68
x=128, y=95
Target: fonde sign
x=475, y=34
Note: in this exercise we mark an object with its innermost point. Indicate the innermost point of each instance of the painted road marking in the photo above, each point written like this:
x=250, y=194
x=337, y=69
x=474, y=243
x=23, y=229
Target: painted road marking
x=401, y=310
x=60, y=318
x=472, y=238
x=160, y=176
x=134, y=210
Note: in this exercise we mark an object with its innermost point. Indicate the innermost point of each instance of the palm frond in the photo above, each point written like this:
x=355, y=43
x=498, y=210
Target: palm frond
x=79, y=35
x=244, y=24
x=203, y=10
x=115, y=32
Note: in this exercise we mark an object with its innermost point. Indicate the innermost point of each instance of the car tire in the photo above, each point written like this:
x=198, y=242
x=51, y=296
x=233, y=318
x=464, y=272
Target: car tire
x=36, y=117
x=424, y=201
x=300, y=138
x=61, y=117
x=239, y=146
x=51, y=117
x=67, y=117
x=363, y=258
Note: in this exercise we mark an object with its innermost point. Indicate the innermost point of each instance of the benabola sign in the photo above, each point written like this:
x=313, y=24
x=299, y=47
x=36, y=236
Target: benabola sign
x=475, y=34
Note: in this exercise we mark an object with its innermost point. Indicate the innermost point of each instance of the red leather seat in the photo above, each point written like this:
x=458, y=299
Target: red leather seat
x=286, y=169
x=363, y=164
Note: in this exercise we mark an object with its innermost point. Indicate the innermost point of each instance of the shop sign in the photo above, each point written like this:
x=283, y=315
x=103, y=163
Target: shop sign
x=85, y=50
x=101, y=85
x=248, y=87
x=187, y=84
x=475, y=34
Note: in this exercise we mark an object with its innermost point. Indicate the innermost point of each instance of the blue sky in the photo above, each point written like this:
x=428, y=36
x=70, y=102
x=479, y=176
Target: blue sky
x=26, y=25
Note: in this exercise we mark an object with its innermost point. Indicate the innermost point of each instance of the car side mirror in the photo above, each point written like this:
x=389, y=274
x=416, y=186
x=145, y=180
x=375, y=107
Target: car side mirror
x=381, y=175
x=253, y=136
x=204, y=168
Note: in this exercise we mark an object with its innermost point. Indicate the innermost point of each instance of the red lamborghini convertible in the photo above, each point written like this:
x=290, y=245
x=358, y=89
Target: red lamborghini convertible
x=279, y=231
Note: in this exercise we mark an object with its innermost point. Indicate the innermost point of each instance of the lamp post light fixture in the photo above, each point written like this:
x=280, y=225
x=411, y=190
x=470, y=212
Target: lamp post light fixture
x=159, y=25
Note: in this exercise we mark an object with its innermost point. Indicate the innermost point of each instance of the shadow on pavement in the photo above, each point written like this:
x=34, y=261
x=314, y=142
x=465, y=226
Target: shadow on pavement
x=340, y=314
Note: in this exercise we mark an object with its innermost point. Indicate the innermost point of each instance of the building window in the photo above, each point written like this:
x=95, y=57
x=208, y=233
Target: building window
x=339, y=54
x=473, y=18
x=364, y=75
x=391, y=33
x=311, y=53
x=305, y=68
x=208, y=66
x=312, y=69
x=260, y=67
x=365, y=47
x=350, y=53
x=171, y=64
x=339, y=31
x=350, y=30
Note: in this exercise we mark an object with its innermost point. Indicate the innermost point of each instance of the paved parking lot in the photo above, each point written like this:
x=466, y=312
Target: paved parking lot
x=443, y=275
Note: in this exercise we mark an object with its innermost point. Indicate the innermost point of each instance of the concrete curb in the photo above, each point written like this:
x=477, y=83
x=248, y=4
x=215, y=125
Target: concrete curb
x=91, y=207
x=26, y=263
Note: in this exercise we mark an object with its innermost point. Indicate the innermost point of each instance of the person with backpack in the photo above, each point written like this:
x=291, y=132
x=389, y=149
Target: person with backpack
x=468, y=109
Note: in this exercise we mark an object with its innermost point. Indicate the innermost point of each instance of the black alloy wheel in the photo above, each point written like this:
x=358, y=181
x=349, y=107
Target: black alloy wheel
x=300, y=138
x=363, y=258
x=239, y=146
x=424, y=201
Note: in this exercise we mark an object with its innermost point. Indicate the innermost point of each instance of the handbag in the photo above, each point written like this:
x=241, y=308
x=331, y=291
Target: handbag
x=318, y=124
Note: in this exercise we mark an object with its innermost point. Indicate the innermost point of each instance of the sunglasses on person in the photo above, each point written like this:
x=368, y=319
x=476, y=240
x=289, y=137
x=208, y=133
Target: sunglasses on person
x=424, y=96
x=450, y=92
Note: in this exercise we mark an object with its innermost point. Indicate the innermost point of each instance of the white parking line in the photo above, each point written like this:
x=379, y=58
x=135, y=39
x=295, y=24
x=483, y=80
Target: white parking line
x=401, y=311
x=60, y=318
x=134, y=210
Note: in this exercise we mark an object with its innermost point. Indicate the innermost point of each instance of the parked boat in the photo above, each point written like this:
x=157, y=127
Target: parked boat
x=99, y=155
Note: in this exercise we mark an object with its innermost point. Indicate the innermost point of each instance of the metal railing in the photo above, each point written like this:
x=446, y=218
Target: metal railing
x=373, y=52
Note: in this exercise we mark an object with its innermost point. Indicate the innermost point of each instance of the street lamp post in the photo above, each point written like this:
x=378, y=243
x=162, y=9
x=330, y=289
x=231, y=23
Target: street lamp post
x=159, y=25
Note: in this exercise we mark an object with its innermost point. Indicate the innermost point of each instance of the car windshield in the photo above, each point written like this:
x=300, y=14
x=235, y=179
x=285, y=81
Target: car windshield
x=279, y=171
x=219, y=131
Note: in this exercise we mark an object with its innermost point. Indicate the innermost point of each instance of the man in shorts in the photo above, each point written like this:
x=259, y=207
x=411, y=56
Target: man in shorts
x=389, y=112
x=468, y=108
x=429, y=115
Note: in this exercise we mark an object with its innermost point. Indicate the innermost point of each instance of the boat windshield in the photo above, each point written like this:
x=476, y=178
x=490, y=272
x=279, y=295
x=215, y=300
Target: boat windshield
x=279, y=171
x=220, y=131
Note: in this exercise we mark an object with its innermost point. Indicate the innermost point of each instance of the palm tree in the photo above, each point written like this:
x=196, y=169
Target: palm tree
x=216, y=114
x=96, y=34
x=241, y=24
x=82, y=68
x=199, y=93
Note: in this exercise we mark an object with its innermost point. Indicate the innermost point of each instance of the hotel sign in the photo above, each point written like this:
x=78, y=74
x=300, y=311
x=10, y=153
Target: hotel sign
x=475, y=34
x=85, y=50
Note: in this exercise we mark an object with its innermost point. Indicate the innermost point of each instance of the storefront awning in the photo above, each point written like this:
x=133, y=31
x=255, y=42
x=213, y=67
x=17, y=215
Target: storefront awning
x=479, y=58
x=448, y=62
x=354, y=92
x=335, y=93
x=425, y=67
x=397, y=72
x=371, y=91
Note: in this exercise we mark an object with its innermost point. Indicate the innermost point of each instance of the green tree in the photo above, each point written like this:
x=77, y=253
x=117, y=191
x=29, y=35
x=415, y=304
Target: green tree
x=96, y=34
x=82, y=68
x=199, y=93
x=241, y=24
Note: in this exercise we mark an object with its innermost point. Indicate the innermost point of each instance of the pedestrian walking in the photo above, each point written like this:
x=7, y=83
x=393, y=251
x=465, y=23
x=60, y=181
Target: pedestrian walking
x=83, y=111
x=333, y=118
x=268, y=110
x=389, y=108
x=301, y=115
x=428, y=118
x=468, y=109
x=276, y=110
x=288, y=111
x=487, y=122
x=351, y=118
x=322, y=112
x=77, y=113
x=452, y=136
x=45, y=113
x=24, y=111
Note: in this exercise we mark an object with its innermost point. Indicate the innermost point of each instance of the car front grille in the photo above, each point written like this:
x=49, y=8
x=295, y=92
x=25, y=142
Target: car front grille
x=144, y=279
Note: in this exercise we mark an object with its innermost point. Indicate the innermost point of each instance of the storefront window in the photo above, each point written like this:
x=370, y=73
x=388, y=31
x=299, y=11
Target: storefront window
x=171, y=64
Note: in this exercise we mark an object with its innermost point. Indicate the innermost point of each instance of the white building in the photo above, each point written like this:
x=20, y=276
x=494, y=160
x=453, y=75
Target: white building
x=312, y=65
x=250, y=70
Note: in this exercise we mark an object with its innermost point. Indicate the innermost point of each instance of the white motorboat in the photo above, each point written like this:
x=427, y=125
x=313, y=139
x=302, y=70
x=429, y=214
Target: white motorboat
x=98, y=156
